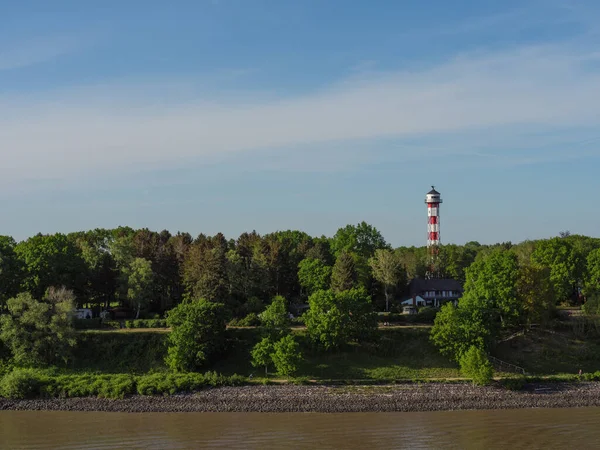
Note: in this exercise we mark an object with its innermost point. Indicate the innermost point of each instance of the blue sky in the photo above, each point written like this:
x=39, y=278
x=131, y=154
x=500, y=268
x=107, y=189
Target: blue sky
x=233, y=115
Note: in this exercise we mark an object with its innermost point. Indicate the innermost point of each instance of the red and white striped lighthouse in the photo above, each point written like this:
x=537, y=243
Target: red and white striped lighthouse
x=433, y=200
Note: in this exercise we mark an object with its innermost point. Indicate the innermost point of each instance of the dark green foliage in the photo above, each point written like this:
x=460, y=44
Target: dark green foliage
x=314, y=275
x=251, y=320
x=21, y=384
x=87, y=324
x=51, y=260
x=11, y=271
x=39, y=333
x=114, y=352
x=146, y=323
x=564, y=262
x=198, y=333
x=335, y=319
x=344, y=275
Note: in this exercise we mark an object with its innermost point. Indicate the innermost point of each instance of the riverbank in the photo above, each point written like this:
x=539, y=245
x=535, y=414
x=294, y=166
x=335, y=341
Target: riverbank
x=334, y=399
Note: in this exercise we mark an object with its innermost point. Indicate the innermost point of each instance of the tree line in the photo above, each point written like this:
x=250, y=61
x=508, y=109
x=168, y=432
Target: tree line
x=152, y=272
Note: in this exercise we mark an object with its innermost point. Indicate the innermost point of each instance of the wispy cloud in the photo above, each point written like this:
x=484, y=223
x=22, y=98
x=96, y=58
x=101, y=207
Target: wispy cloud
x=544, y=86
x=34, y=51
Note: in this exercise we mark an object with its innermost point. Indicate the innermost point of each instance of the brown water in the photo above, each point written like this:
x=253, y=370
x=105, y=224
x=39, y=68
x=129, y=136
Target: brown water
x=514, y=429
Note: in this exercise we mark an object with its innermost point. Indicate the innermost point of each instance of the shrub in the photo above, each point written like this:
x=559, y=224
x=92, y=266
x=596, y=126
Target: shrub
x=251, y=320
x=146, y=323
x=21, y=383
x=426, y=314
x=87, y=324
x=164, y=384
x=474, y=364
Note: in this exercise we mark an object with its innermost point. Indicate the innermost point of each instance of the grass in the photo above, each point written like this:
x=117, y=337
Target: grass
x=403, y=353
x=542, y=352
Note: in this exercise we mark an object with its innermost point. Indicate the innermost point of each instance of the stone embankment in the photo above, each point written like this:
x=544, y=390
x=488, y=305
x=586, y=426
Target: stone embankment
x=334, y=399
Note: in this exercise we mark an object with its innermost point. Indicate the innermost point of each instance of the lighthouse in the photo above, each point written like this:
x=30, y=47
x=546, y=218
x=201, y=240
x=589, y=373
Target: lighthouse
x=433, y=201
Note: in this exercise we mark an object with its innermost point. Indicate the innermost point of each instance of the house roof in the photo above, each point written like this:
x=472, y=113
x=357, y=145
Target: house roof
x=418, y=285
x=433, y=191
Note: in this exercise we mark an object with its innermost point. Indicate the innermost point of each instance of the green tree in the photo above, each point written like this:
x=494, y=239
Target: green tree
x=333, y=319
x=558, y=255
x=39, y=333
x=197, y=334
x=140, y=284
x=475, y=364
x=286, y=355
x=343, y=276
x=314, y=275
x=388, y=270
x=51, y=260
x=592, y=283
x=457, y=328
x=534, y=290
x=10, y=271
x=275, y=318
x=362, y=239
x=261, y=354
x=492, y=284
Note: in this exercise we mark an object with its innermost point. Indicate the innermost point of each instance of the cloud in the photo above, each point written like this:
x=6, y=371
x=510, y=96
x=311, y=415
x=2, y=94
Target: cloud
x=35, y=51
x=89, y=132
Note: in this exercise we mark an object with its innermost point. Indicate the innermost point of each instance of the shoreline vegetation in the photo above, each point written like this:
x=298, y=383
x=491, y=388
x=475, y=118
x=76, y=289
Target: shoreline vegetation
x=132, y=320
x=409, y=397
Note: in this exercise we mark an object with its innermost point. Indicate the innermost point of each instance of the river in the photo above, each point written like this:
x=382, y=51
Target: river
x=514, y=429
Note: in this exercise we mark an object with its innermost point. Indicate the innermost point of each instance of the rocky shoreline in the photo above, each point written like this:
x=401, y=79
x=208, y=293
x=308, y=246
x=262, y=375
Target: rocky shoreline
x=334, y=399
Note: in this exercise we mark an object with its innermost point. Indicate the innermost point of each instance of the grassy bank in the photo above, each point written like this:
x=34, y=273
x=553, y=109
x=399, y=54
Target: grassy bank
x=114, y=365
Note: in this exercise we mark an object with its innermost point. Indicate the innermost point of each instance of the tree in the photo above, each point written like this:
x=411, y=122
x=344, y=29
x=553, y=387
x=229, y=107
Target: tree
x=261, y=354
x=334, y=319
x=475, y=364
x=558, y=255
x=140, y=284
x=388, y=270
x=362, y=239
x=51, y=260
x=39, y=332
x=286, y=355
x=197, y=334
x=10, y=270
x=492, y=284
x=592, y=284
x=343, y=275
x=314, y=275
x=534, y=290
x=457, y=328
x=275, y=317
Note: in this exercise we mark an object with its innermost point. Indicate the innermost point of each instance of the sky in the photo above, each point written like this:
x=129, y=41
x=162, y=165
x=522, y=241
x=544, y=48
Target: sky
x=228, y=116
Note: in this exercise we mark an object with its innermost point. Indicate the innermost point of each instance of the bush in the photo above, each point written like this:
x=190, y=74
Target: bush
x=21, y=384
x=251, y=320
x=474, y=364
x=146, y=323
x=168, y=384
x=87, y=385
x=426, y=314
x=87, y=324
